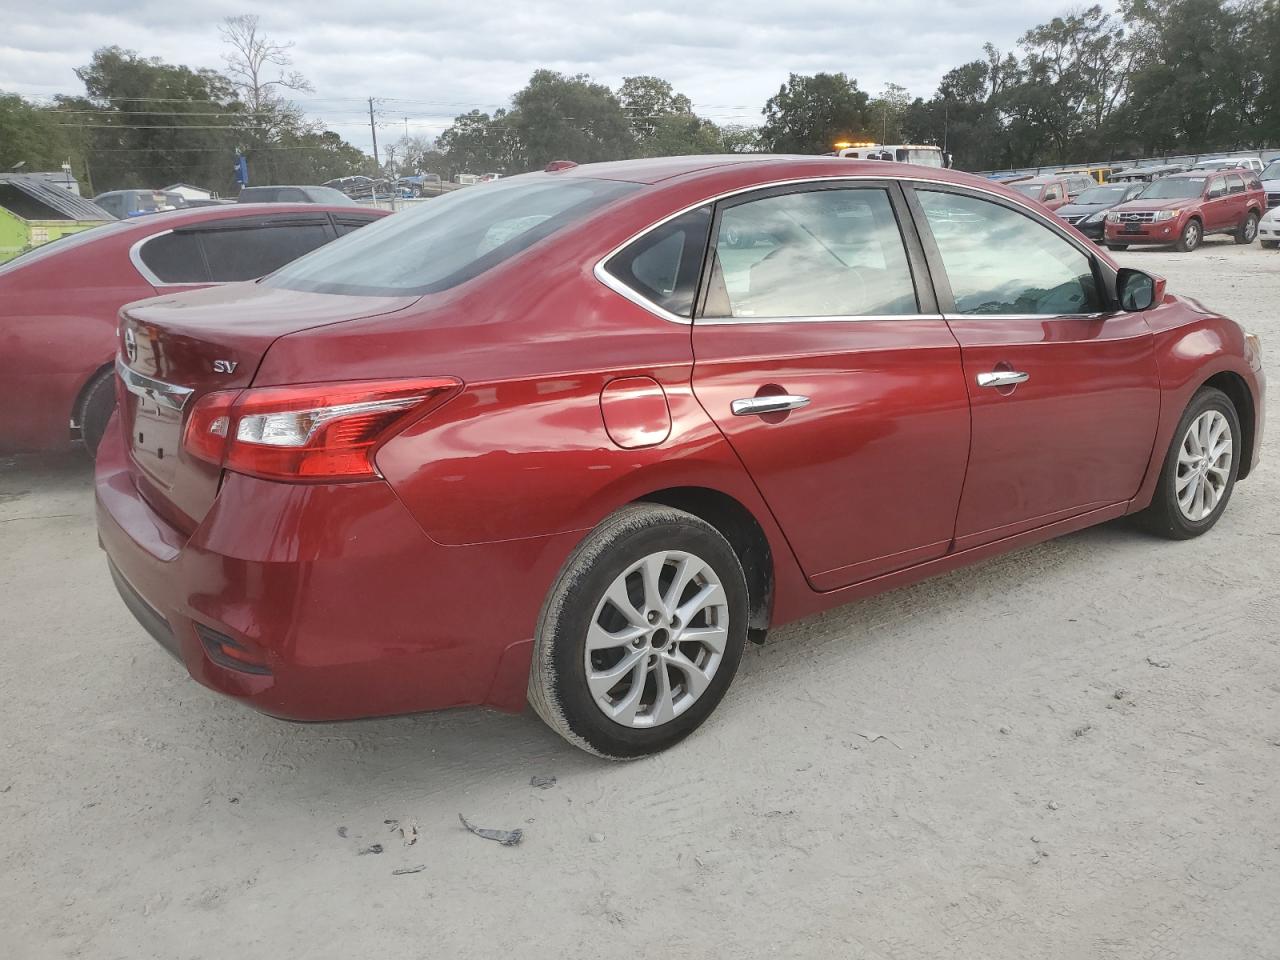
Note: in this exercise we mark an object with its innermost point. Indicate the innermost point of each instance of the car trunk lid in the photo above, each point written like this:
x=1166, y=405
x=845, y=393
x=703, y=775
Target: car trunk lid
x=174, y=350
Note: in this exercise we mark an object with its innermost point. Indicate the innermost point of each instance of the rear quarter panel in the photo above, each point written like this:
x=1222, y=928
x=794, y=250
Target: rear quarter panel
x=57, y=328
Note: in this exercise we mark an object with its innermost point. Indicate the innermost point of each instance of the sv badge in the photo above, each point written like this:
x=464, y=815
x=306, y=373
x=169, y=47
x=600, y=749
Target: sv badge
x=225, y=366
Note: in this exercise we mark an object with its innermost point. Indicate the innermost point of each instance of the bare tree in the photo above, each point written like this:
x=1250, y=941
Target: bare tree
x=253, y=58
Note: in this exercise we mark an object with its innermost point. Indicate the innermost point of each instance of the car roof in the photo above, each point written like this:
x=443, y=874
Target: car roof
x=664, y=169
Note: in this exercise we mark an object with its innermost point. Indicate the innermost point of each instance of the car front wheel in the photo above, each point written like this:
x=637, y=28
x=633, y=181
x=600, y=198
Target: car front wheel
x=1192, y=233
x=1199, y=470
x=641, y=635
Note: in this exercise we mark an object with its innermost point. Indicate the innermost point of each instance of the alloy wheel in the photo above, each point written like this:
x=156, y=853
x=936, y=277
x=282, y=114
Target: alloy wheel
x=1204, y=465
x=657, y=638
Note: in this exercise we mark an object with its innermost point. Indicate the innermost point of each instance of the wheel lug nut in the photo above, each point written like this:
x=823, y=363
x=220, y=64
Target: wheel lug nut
x=652, y=616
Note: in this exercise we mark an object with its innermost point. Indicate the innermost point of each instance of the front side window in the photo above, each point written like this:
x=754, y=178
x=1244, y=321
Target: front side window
x=246, y=253
x=663, y=265
x=451, y=239
x=820, y=253
x=1000, y=261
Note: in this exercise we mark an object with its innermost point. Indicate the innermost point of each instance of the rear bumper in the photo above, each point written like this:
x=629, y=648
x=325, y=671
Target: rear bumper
x=350, y=607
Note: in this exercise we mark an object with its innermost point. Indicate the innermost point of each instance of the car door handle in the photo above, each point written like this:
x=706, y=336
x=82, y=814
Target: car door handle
x=754, y=406
x=1002, y=378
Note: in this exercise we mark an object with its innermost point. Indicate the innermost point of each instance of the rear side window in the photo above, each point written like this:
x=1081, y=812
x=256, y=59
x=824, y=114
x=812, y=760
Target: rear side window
x=1235, y=183
x=247, y=253
x=817, y=253
x=175, y=258
x=450, y=240
x=345, y=224
x=663, y=265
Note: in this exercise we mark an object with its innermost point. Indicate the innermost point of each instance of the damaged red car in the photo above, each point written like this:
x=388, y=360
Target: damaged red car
x=574, y=438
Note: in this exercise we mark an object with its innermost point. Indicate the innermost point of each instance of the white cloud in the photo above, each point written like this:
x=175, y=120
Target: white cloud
x=431, y=61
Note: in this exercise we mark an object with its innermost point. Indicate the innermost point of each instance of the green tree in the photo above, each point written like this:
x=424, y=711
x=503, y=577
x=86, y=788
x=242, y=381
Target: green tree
x=648, y=102
x=31, y=136
x=810, y=113
x=480, y=143
x=887, y=112
x=557, y=117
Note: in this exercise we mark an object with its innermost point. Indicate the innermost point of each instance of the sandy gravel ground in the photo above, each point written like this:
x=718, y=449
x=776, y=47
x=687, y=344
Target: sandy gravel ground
x=1071, y=752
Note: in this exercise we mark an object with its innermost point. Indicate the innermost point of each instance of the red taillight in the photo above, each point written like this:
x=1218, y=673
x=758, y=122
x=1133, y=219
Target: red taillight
x=310, y=431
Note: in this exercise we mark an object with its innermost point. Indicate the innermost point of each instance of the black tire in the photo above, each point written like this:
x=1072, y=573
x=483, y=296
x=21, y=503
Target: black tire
x=1248, y=231
x=1164, y=517
x=97, y=403
x=1191, y=236
x=558, y=688
x=1117, y=246
x=1271, y=244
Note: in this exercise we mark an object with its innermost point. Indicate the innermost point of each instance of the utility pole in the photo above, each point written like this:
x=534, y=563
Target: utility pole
x=373, y=132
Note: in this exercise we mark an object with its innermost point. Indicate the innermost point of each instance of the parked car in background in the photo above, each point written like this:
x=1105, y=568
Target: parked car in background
x=1052, y=192
x=1096, y=174
x=1252, y=164
x=1270, y=178
x=1087, y=212
x=1147, y=174
x=378, y=482
x=1269, y=229
x=59, y=303
x=1184, y=208
x=293, y=195
x=136, y=203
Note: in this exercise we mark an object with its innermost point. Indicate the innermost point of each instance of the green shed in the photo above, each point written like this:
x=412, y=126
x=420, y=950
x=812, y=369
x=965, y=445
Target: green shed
x=33, y=212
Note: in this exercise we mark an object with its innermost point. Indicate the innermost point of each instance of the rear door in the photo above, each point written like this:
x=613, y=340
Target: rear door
x=820, y=353
x=1216, y=208
x=1064, y=395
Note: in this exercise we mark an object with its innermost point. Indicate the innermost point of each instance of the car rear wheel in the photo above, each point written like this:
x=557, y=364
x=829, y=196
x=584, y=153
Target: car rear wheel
x=1199, y=470
x=1117, y=246
x=1248, y=231
x=94, y=410
x=1191, y=236
x=641, y=635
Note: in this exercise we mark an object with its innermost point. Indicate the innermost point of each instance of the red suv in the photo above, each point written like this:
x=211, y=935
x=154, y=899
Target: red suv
x=564, y=439
x=1053, y=192
x=1184, y=208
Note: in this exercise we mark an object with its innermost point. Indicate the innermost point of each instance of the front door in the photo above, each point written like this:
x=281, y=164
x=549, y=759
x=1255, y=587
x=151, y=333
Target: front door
x=833, y=376
x=1064, y=396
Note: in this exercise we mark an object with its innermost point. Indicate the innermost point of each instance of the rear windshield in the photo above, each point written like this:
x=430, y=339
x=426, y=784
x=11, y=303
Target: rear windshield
x=1272, y=172
x=1171, y=188
x=449, y=240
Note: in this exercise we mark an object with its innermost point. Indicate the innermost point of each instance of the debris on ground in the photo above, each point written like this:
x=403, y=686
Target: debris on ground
x=409, y=833
x=1121, y=693
x=403, y=871
x=392, y=825
x=508, y=838
x=1081, y=731
x=342, y=832
x=596, y=838
x=372, y=848
x=873, y=737
x=1162, y=664
x=1053, y=805
x=541, y=782
x=1005, y=730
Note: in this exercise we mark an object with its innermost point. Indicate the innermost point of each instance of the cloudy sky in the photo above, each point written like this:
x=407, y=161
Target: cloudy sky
x=428, y=61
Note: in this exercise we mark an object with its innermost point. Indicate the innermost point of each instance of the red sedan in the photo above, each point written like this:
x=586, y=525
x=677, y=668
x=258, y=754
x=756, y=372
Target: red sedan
x=59, y=304
x=577, y=436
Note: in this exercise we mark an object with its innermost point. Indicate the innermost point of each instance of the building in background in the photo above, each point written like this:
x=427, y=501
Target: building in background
x=34, y=211
x=188, y=192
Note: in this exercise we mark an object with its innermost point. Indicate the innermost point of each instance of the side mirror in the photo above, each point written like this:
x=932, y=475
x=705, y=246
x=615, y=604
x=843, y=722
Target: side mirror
x=1138, y=290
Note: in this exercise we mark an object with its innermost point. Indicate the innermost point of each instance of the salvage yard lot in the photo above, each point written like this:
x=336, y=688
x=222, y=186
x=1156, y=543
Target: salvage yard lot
x=1072, y=751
